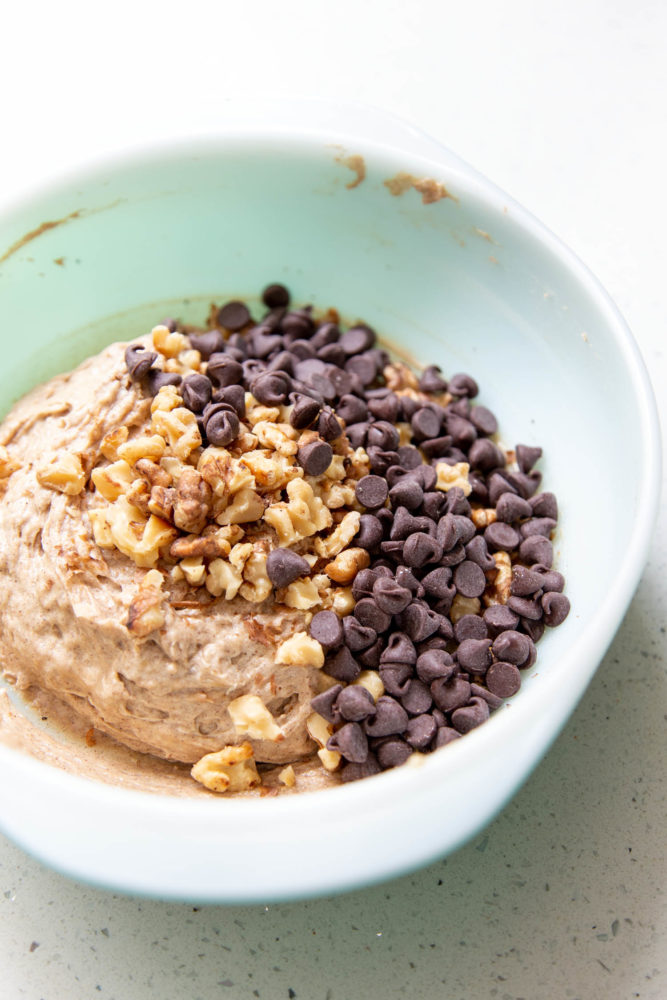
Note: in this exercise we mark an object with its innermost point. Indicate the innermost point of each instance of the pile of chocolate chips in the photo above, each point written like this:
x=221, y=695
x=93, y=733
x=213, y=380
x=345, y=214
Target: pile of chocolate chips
x=441, y=679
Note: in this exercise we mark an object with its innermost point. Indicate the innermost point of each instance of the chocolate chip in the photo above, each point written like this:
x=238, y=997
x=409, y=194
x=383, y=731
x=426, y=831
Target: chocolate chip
x=432, y=381
x=470, y=627
x=483, y=420
x=355, y=703
x=556, y=608
x=525, y=607
x=328, y=426
x=234, y=316
x=232, y=395
x=396, y=678
x=351, y=409
x=492, y=700
x=390, y=597
x=511, y=646
x=537, y=526
x=399, y=649
x=382, y=435
x=463, y=385
x=357, y=339
x=525, y=582
x=393, y=752
x=417, y=698
x=271, y=388
x=351, y=743
x=363, y=366
x=208, y=343
x=342, y=666
x=275, y=296
x=474, y=655
x=461, y=431
x=419, y=621
x=435, y=664
x=501, y=536
x=387, y=408
x=371, y=491
x=325, y=626
x=485, y=455
x=222, y=428
x=355, y=772
x=425, y=424
x=511, y=508
x=297, y=324
x=370, y=533
x=421, y=549
x=503, y=679
x=408, y=457
x=356, y=434
x=536, y=549
x=325, y=335
x=470, y=716
x=283, y=566
x=324, y=703
x=469, y=579
x=451, y=694
x=390, y=718
x=156, y=380
x=420, y=731
x=477, y=551
x=370, y=614
x=544, y=505
x=314, y=457
x=196, y=391
x=138, y=361
x=499, y=618
x=305, y=411
x=357, y=636
x=445, y=735
x=551, y=580
x=407, y=492
x=223, y=370
x=526, y=456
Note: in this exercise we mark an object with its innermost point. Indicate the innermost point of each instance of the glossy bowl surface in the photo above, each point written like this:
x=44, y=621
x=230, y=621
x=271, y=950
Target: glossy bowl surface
x=454, y=273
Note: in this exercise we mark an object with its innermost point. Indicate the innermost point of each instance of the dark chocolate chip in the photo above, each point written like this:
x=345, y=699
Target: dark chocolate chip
x=283, y=566
x=526, y=456
x=222, y=427
x=382, y=435
x=370, y=533
x=407, y=492
x=556, y=608
x=452, y=693
x=419, y=621
x=420, y=732
x=371, y=491
x=357, y=339
x=357, y=636
x=463, y=385
x=368, y=613
x=324, y=703
x=328, y=426
x=354, y=772
x=499, y=618
x=538, y=526
x=435, y=664
x=314, y=457
x=525, y=582
x=196, y=391
x=399, y=649
x=275, y=296
x=351, y=409
x=390, y=718
x=156, y=380
x=417, y=698
x=503, y=679
x=470, y=627
x=525, y=607
x=500, y=536
x=234, y=316
x=409, y=457
x=271, y=388
x=431, y=380
x=477, y=551
x=325, y=626
x=470, y=716
x=356, y=434
x=138, y=361
x=536, y=549
x=445, y=735
x=421, y=549
x=355, y=703
x=232, y=395
x=305, y=411
x=390, y=597
x=393, y=752
x=223, y=370
x=474, y=655
x=483, y=420
x=511, y=646
x=492, y=700
x=396, y=677
x=351, y=743
x=425, y=423
x=342, y=666
x=208, y=343
x=544, y=505
x=485, y=455
x=387, y=408
x=469, y=579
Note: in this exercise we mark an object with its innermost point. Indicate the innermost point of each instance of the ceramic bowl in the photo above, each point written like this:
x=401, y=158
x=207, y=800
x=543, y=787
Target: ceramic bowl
x=336, y=205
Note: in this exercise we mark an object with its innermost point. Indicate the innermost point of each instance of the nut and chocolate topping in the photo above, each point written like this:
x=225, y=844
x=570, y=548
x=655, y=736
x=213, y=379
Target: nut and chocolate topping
x=290, y=463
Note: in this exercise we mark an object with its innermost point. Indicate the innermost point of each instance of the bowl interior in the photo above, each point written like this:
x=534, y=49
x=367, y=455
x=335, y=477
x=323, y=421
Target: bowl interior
x=465, y=281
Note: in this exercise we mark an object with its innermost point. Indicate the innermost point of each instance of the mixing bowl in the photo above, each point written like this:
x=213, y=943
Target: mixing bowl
x=354, y=210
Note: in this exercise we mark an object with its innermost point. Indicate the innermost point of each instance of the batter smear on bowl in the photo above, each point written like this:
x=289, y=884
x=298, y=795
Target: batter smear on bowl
x=265, y=549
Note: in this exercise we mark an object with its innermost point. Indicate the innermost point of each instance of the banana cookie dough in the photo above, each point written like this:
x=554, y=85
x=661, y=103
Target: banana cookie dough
x=265, y=550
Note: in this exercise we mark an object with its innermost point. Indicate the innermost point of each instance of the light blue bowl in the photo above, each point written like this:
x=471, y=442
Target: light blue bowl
x=470, y=282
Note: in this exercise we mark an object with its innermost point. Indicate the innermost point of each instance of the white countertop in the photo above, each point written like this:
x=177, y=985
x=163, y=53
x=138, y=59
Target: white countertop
x=564, y=106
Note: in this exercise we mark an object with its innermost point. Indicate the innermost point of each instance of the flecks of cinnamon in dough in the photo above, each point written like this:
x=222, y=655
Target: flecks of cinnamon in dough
x=357, y=165
x=430, y=189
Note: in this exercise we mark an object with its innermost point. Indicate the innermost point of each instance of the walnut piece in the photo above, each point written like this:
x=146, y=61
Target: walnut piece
x=300, y=650
x=347, y=564
x=502, y=583
x=146, y=613
x=453, y=475
x=339, y=538
x=482, y=517
x=287, y=776
x=63, y=473
x=252, y=718
x=300, y=517
x=192, y=502
x=112, y=480
x=231, y=769
x=371, y=680
x=168, y=343
x=112, y=441
x=145, y=446
x=179, y=427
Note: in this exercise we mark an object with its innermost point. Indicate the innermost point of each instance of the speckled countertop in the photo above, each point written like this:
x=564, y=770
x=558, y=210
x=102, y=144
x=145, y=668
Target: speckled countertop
x=563, y=895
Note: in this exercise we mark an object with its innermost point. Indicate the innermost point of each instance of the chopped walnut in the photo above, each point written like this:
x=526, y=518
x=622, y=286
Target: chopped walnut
x=464, y=606
x=256, y=412
x=63, y=473
x=192, y=502
x=319, y=729
x=246, y=506
x=112, y=480
x=330, y=759
x=231, y=769
x=136, y=537
x=271, y=471
x=153, y=473
x=371, y=680
x=453, y=475
x=168, y=398
x=339, y=538
x=482, y=517
x=201, y=546
x=145, y=446
x=223, y=578
x=300, y=651
x=138, y=495
x=194, y=570
x=225, y=474
x=342, y=601
x=168, y=343
x=179, y=427
x=146, y=613
x=256, y=585
x=112, y=441
x=502, y=583
x=347, y=564
x=287, y=776
x=161, y=502
x=300, y=517
x=399, y=376
x=280, y=437
x=302, y=594
x=252, y=718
